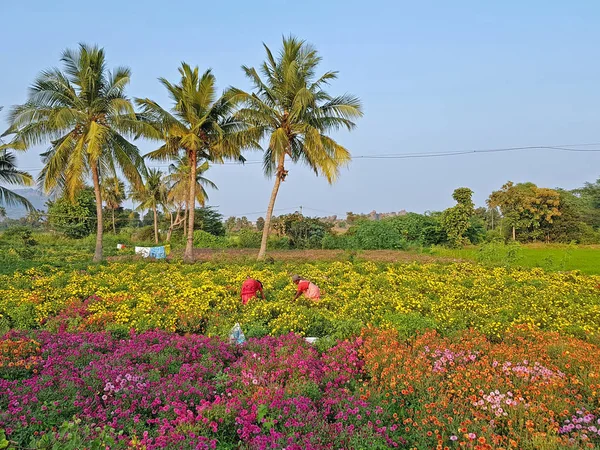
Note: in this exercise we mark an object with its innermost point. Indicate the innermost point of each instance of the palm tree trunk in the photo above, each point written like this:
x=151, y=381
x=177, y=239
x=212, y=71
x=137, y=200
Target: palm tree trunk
x=185, y=217
x=155, y=224
x=265, y=236
x=99, y=226
x=174, y=223
x=113, y=221
x=188, y=255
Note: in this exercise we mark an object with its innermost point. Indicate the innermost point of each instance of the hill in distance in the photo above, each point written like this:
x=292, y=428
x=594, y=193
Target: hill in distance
x=37, y=199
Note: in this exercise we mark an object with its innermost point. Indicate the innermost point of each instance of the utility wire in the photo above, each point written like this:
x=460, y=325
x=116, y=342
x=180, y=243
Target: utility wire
x=415, y=155
x=107, y=216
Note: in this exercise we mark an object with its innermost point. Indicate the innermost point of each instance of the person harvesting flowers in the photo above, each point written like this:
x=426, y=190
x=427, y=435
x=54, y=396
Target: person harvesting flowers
x=309, y=289
x=250, y=289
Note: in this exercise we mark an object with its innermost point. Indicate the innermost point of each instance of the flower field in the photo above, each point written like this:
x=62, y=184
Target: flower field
x=159, y=390
x=409, y=356
x=205, y=299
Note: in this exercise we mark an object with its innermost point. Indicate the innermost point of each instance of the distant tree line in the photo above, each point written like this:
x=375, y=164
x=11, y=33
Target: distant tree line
x=521, y=212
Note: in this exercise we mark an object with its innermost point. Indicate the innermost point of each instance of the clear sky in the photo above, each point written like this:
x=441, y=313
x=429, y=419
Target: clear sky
x=433, y=76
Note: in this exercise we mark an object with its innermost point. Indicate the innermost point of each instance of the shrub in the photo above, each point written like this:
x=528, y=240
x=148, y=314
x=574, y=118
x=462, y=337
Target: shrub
x=202, y=239
x=376, y=235
x=74, y=218
x=142, y=235
x=249, y=239
x=278, y=243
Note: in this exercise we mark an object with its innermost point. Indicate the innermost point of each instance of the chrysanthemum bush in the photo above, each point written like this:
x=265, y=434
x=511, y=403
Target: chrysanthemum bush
x=205, y=299
x=152, y=390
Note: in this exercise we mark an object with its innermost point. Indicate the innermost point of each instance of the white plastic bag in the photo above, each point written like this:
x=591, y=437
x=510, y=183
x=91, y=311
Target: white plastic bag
x=236, y=335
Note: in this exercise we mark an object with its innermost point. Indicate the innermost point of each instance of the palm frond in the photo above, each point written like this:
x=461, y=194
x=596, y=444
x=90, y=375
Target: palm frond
x=128, y=158
x=10, y=198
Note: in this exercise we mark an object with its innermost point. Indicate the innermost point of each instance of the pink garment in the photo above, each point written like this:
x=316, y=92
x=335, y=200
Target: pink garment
x=310, y=290
x=313, y=292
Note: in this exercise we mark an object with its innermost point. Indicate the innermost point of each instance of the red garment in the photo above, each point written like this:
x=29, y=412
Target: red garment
x=310, y=290
x=303, y=285
x=250, y=289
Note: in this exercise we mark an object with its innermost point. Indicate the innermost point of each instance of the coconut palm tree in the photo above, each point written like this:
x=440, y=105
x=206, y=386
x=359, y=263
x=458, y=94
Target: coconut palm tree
x=152, y=195
x=200, y=124
x=113, y=194
x=83, y=113
x=178, y=181
x=291, y=108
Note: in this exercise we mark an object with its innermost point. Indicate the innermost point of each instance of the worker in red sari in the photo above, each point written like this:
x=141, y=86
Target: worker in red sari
x=309, y=289
x=250, y=289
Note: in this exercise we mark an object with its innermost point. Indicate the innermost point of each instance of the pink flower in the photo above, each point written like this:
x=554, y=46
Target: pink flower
x=454, y=438
x=472, y=436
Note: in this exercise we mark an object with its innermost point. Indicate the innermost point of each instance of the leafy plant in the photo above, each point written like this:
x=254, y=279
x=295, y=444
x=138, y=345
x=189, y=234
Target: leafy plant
x=74, y=217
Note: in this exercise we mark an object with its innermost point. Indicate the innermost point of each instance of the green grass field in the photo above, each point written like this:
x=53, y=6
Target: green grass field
x=548, y=257
x=58, y=251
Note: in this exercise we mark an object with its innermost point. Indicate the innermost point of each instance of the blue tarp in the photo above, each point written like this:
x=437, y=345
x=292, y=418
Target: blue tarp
x=158, y=252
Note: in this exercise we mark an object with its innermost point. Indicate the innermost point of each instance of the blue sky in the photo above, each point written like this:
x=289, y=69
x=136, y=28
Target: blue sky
x=433, y=76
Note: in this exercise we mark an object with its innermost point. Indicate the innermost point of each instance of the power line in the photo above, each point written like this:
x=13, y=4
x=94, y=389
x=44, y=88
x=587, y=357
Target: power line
x=415, y=155
x=321, y=211
x=107, y=215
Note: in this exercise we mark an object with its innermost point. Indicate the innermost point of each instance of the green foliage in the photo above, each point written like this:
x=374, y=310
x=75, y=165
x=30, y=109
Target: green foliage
x=456, y=220
x=208, y=219
x=74, y=218
x=233, y=224
x=476, y=232
x=551, y=257
x=499, y=253
x=419, y=228
x=74, y=435
x=20, y=240
x=203, y=239
x=143, y=235
x=527, y=209
x=9, y=174
x=302, y=232
x=278, y=243
x=339, y=242
x=248, y=239
x=571, y=225
x=589, y=195
x=376, y=235
x=408, y=325
x=4, y=443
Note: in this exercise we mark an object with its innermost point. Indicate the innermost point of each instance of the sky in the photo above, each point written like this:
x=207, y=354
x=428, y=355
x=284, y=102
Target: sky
x=433, y=76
